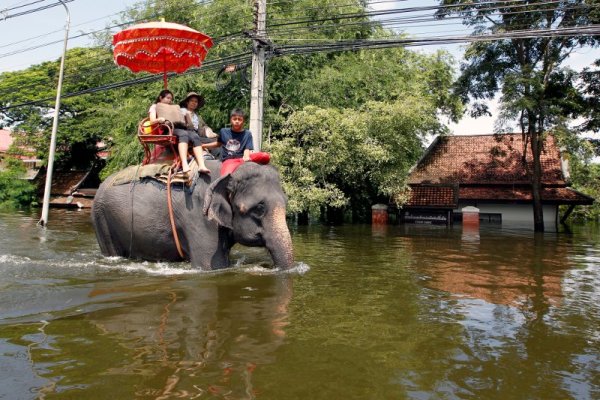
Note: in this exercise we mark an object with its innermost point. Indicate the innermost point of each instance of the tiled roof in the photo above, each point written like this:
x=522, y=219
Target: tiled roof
x=433, y=196
x=484, y=159
x=63, y=182
x=560, y=195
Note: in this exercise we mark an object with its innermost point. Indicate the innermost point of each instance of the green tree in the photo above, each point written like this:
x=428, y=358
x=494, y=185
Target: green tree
x=584, y=174
x=351, y=157
x=15, y=192
x=525, y=69
x=79, y=127
x=387, y=99
x=369, y=113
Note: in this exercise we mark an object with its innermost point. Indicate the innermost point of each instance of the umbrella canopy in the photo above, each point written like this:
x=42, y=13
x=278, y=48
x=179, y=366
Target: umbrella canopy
x=160, y=46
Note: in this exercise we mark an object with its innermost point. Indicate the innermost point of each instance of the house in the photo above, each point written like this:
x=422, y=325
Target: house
x=27, y=155
x=70, y=189
x=486, y=171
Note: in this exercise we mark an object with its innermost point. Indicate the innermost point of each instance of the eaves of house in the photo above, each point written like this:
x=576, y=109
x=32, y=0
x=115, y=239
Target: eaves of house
x=487, y=168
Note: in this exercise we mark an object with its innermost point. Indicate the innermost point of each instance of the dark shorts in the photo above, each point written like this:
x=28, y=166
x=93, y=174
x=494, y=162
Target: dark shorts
x=189, y=136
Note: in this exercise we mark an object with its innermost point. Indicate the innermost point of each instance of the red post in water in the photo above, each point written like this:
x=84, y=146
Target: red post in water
x=379, y=214
x=470, y=217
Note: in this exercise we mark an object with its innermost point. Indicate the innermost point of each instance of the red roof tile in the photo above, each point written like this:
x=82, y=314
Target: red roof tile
x=63, y=182
x=484, y=159
x=560, y=195
x=433, y=196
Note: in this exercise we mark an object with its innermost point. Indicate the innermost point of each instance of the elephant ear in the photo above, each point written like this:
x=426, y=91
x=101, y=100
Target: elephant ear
x=216, y=202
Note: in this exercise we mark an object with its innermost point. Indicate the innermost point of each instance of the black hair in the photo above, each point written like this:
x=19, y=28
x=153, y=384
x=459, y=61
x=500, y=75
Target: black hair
x=163, y=93
x=237, y=111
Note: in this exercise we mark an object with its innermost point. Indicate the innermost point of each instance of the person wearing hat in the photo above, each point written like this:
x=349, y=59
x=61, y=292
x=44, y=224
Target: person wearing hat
x=193, y=122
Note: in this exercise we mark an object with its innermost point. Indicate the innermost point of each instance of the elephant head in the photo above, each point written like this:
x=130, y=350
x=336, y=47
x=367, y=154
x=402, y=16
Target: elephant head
x=251, y=203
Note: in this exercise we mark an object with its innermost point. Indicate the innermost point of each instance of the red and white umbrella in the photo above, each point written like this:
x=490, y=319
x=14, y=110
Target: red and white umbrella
x=160, y=47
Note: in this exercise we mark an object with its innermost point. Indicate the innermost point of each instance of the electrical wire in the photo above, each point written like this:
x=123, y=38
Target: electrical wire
x=354, y=45
x=22, y=5
x=6, y=16
x=214, y=65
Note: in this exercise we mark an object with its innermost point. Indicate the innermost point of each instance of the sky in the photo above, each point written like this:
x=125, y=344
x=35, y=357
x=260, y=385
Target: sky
x=49, y=26
x=20, y=33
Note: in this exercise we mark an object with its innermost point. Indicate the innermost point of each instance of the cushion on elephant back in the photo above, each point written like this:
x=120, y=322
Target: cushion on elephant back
x=170, y=112
x=159, y=172
x=230, y=165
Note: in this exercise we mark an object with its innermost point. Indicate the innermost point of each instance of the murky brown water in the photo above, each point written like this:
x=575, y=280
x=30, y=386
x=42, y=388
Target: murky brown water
x=398, y=313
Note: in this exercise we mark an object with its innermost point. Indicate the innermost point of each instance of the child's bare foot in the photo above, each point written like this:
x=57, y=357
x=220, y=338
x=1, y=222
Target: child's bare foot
x=203, y=170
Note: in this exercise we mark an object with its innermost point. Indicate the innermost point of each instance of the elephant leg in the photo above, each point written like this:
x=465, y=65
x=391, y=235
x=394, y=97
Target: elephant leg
x=105, y=236
x=208, y=245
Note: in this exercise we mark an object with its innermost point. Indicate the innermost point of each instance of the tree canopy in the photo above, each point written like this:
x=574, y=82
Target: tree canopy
x=535, y=88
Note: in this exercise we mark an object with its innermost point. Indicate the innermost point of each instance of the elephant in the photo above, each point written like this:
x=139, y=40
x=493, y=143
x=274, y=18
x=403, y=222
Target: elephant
x=247, y=206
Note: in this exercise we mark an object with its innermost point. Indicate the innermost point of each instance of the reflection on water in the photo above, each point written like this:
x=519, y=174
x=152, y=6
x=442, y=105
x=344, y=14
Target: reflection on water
x=369, y=313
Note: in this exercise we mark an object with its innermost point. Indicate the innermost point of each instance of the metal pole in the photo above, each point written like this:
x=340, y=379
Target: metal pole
x=47, y=188
x=258, y=75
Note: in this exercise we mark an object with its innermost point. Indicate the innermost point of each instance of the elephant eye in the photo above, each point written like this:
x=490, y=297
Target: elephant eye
x=259, y=210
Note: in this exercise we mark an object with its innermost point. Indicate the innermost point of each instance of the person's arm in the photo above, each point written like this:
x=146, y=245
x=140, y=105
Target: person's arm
x=249, y=147
x=187, y=117
x=215, y=144
x=212, y=145
x=152, y=115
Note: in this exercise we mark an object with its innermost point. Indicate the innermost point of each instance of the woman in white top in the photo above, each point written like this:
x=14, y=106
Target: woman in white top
x=165, y=96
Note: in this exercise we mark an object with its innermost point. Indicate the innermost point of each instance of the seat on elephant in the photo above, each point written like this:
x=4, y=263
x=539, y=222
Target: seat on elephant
x=157, y=171
x=155, y=139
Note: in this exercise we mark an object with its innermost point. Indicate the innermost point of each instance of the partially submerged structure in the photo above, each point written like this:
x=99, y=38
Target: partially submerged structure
x=70, y=189
x=487, y=172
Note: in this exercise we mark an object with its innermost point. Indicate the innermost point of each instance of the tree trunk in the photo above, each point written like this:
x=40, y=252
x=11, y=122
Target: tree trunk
x=302, y=218
x=334, y=216
x=536, y=179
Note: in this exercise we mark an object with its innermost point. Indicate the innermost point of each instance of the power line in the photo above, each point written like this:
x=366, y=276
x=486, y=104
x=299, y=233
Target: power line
x=126, y=23
x=210, y=65
x=6, y=16
x=384, y=43
x=354, y=45
x=337, y=17
x=350, y=45
x=23, y=5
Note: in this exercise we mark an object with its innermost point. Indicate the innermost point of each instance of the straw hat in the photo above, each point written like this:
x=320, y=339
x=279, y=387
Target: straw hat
x=200, y=98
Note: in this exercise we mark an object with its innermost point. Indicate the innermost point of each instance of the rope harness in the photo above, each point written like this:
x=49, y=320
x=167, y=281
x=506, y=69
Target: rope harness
x=170, y=207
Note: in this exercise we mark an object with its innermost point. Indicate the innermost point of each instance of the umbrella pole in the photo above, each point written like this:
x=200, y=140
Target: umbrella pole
x=165, y=70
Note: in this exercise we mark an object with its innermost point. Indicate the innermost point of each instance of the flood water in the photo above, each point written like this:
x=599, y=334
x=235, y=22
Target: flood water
x=402, y=312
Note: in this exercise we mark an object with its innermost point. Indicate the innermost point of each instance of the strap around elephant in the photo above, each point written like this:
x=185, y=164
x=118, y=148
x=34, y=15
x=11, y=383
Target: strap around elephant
x=171, y=217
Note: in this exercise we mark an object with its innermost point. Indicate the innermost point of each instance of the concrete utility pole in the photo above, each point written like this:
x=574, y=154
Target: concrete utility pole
x=44, y=220
x=258, y=73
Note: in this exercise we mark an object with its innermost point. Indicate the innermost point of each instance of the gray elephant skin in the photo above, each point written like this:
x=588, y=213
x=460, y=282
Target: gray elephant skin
x=246, y=207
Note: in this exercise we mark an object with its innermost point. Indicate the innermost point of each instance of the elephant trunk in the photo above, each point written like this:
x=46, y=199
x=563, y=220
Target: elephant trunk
x=278, y=240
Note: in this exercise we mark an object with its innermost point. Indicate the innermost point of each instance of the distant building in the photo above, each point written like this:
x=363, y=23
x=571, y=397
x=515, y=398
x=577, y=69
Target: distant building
x=69, y=188
x=27, y=155
x=487, y=172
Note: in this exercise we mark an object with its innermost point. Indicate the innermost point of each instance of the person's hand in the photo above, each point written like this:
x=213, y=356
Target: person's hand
x=246, y=157
x=160, y=120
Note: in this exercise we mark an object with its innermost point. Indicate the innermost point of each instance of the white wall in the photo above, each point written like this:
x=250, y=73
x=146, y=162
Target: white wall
x=515, y=213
